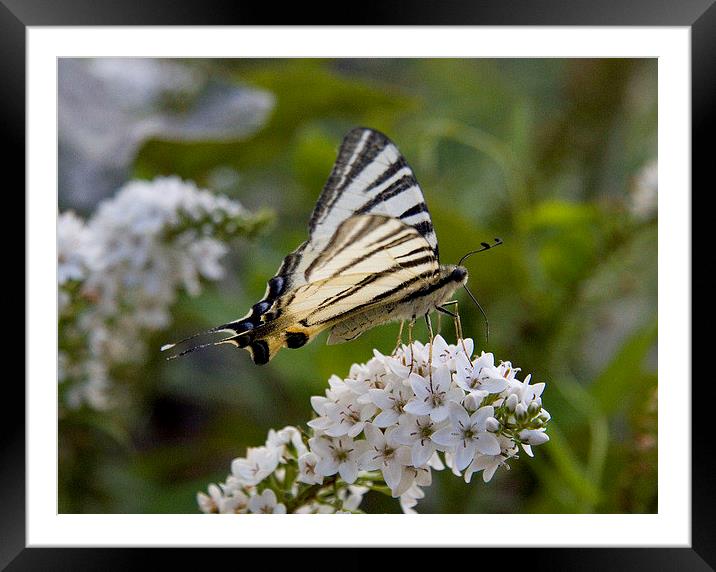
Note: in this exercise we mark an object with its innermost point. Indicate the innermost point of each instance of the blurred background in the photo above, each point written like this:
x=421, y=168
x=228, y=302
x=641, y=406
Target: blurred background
x=555, y=156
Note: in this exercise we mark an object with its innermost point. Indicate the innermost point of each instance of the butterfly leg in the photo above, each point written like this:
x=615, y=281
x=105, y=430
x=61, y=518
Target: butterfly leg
x=399, y=341
x=411, y=325
x=430, y=353
x=456, y=317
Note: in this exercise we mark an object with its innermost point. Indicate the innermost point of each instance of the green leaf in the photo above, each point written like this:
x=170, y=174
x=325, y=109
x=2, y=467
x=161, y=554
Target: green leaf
x=615, y=388
x=570, y=469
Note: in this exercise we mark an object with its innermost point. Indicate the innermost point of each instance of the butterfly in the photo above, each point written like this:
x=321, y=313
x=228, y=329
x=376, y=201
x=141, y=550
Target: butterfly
x=371, y=257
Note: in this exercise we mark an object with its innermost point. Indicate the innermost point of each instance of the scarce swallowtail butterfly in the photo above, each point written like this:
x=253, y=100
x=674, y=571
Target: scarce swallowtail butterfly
x=371, y=257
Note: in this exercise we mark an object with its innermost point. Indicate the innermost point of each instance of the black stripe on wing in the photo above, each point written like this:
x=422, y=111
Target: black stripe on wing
x=265, y=310
x=423, y=277
x=371, y=176
x=406, y=182
x=351, y=147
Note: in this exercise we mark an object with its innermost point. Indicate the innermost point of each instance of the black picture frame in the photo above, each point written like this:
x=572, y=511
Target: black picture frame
x=17, y=15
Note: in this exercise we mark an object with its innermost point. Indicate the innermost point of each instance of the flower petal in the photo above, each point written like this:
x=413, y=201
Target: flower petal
x=374, y=435
x=458, y=415
x=493, y=384
x=381, y=398
x=348, y=471
x=386, y=418
x=418, y=406
x=421, y=452
x=392, y=473
x=464, y=454
x=488, y=444
x=446, y=437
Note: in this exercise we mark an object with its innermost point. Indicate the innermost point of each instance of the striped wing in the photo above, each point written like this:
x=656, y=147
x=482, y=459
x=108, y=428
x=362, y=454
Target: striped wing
x=371, y=241
x=370, y=176
x=369, y=264
x=370, y=260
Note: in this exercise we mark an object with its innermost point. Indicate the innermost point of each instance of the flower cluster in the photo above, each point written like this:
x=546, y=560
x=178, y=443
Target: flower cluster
x=385, y=427
x=119, y=272
x=277, y=478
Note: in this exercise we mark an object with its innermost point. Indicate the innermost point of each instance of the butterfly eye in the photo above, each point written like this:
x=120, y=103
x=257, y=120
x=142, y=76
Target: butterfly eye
x=458, y=275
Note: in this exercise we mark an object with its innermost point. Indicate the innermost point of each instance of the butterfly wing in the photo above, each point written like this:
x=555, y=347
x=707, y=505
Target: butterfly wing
x=371, y=259
x=370, y=240
x=370, y=176
x=371, y=262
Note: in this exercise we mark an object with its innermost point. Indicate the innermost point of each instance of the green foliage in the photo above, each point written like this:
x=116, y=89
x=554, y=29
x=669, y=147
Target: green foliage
x=542, y=153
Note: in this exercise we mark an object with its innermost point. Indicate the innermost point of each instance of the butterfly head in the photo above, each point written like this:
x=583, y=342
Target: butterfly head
x=451, y=277
x=459, y=274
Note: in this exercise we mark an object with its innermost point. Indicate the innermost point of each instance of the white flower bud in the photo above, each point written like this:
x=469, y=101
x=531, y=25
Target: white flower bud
x=492, y=425
x=534, y=407
x=533, y=436
x=520, y=412
x=511, y=402
x=206, y=504
x=474, y=400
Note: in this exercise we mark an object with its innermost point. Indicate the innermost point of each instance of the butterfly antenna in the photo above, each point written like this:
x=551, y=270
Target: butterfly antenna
x=484, y=315
x=485, y=246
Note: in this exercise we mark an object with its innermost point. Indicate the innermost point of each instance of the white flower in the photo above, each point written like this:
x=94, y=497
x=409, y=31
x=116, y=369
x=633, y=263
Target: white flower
x=448, y=353
x=209, y=503
x=340, y=413
x=337, y=455
x=236, y=503
x=507, y=371
x=307, y=469
x=74, y=247
x=259, y=463
x=348, y=417
x=413, y=477
x=525, y=392
x=414, y=357
x=205, y=253
x=391, y=401
x=479, y=375
x=432, y=394
x=436, y=463
x=352, y=497
x=467, y=435
x=488, y=464
x=534, y=436
x=224, y=502
x=266, y=503
x=385, y=454
x=474, y=399
x=410, y=498
x=417, y=432
x=285, y=438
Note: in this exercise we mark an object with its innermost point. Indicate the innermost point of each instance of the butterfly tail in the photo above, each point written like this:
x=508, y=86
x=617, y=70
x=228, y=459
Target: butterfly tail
x=262, y=332
x=237, y=331
x=264, y=342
